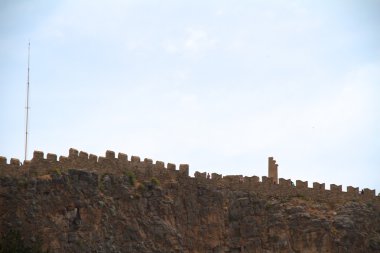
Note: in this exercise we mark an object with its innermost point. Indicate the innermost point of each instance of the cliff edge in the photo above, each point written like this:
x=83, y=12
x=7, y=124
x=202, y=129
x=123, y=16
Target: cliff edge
x=133, y=210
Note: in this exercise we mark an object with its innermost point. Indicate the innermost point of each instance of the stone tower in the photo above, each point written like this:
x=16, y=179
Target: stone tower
x=273, y=170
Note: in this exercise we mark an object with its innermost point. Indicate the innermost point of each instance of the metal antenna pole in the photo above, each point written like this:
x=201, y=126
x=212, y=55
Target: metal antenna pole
x=27, y=107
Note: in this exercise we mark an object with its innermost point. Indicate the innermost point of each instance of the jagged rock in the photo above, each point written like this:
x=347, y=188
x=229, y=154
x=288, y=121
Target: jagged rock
x=343, y=222
x=82, y=211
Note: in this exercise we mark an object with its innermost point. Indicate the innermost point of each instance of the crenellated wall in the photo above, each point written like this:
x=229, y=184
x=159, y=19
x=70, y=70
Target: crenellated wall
x=39, y=165
x=146, y=169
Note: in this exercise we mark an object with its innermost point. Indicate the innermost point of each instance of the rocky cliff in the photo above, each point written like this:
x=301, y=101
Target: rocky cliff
x=87, y=211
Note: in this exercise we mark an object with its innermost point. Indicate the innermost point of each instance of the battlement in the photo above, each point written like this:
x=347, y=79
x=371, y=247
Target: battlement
x=109, y=163
x=146, y=169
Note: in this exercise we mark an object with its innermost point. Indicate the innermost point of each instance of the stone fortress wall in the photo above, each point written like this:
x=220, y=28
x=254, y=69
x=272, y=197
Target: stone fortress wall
x=146, y=169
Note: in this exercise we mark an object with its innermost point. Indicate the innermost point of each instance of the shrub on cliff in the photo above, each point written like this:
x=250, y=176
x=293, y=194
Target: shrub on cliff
x=131, y=178
x=155, y=181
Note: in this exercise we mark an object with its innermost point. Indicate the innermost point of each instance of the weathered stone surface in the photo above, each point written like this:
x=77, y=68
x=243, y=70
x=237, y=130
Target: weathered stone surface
x=84, y=211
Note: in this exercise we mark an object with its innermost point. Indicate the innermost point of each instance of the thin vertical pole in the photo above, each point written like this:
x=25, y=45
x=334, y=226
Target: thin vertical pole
x=27, y=106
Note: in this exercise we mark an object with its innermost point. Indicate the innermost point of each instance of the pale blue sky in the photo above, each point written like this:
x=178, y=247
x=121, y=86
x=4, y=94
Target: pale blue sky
x=220, y=85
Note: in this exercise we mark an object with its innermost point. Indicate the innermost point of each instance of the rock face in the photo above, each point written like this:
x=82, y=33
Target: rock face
x=83, y=211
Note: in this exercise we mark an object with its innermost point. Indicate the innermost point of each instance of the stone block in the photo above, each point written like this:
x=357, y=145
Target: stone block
x=171, y=166
x=101, y=160
x=93, y=158
x=335, y=188
x=216, y=176
x=15, y=162
x=148, y=161
x=301, y=184
x=318, y=186
x=285, y=182
x=197, y=174
x=160, y=164
x=353, y=190
x=83, y=155
x=38, y=155
x=266, y=180
x=233, y=178
x=122, y=157
x=3, y=160
x=369, y=192
x=110, y=154
x=135, y=159
x=73, y=153
x=184, y=169
x=63, y=159
x=51, y=157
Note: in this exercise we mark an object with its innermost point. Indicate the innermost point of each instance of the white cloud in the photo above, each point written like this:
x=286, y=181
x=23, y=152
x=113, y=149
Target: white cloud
x=170, y=46
x=220, y=12
x=193, y=43
x=198, y=40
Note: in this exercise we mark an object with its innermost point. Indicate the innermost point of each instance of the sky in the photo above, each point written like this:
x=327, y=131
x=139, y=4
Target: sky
x=220, y=85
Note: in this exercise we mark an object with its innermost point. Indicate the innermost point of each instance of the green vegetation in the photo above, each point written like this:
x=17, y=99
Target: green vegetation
x=22, y=183
x=369, y=205
x=101, y=182
x=131, y=178
x=12, y=242
x=334, y=232
x=302, y=197
x=269, y=206
x=155, y=181
x=58, y=171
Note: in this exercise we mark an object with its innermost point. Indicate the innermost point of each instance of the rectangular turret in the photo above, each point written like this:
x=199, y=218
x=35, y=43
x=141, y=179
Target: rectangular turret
x=273, y=170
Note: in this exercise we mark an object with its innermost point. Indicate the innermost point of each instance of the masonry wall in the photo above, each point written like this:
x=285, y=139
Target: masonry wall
x=144, y=169
x=147, y=169
x=273, y=170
